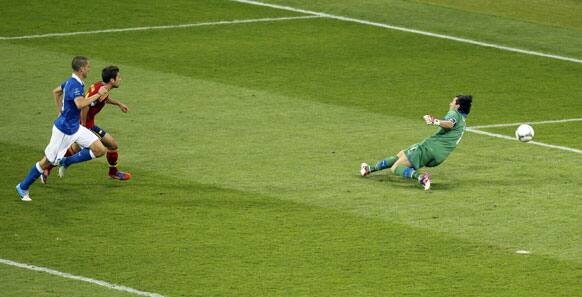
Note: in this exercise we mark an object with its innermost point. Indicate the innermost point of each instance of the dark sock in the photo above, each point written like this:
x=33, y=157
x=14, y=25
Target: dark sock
x=112, y=160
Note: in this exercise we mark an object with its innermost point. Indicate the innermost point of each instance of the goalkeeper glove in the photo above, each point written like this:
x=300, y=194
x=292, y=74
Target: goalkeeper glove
x=431, y=120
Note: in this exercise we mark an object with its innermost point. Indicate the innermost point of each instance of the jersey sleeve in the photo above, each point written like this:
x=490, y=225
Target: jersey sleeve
x=72, y=91
x=77, y=91
x=452, y=116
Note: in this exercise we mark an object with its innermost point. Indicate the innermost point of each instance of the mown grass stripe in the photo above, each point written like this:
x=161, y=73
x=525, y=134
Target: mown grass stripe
x=147, y=28
x=80, y=278
x=415, y=31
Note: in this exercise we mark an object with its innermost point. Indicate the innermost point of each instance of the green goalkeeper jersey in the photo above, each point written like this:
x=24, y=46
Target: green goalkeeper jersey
x=444, y=141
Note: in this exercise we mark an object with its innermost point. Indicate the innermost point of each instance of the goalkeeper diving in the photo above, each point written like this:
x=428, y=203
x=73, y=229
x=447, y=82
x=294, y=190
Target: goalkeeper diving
x=433, y=150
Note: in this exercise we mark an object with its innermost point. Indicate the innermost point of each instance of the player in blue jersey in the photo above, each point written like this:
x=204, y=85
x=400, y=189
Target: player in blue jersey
x=67, y=130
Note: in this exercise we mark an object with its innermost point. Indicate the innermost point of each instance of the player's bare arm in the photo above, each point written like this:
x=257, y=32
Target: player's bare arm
x=119, y=104
x=431, y=120
x=84, y=113
x=58, y=95
x=81, y=102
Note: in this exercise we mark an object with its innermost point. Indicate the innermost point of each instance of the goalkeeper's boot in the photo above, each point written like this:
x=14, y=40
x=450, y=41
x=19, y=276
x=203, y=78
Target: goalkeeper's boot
x=22, y=193
x=425, y=181
x=364, y=169
x=120, y=175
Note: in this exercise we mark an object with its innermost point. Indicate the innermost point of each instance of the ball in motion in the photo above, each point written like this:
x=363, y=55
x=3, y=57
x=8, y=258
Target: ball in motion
x=524, y=133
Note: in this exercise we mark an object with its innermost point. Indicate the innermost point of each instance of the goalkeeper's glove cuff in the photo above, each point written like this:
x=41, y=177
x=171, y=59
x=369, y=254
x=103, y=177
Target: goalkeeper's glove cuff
x=436, y=122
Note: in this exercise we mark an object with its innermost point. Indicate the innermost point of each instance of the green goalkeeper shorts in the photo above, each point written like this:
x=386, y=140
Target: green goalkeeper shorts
x=421, y=155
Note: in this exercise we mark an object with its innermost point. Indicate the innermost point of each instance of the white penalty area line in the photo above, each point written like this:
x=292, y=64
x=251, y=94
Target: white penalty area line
x=564, y=148
x=475, y=129
x=409, y=30
x=148, y=28
x=529, y=123
x=81, y=278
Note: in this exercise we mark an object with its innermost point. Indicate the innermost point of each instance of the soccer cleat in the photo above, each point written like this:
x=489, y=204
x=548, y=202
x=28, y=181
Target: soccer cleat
x=364, y=169
x=44, y=176
x=120, y=175
x=424, y=180
x=23, y=194
x=62, y=167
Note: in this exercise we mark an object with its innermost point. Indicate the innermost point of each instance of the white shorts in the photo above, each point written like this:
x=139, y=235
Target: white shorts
x=60, y=142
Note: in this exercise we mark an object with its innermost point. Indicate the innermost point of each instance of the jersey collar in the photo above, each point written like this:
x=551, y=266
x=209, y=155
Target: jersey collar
x=78, y=79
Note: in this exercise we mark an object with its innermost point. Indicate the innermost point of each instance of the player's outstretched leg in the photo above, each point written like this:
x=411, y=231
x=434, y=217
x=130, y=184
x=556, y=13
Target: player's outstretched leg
x=366, y=169
x=408, y=172
x=96, y=150
x=82, y=156
x=35, y=172
x=70, y=151
x=403, y=168
x=112, y=156
x=113, y=171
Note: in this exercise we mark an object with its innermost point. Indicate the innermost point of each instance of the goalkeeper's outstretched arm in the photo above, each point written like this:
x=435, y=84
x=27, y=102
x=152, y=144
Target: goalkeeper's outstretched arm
x=431, y=120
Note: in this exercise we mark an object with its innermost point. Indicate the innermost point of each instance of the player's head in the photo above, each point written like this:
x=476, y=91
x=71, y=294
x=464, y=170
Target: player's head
x=462, y=103
x=81, y=66
x=110, y=74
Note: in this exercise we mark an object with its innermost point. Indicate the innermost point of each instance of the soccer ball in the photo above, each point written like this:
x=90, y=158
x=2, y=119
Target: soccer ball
x=524, y=133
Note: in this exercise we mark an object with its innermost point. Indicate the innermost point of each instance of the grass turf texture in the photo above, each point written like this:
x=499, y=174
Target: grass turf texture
x=245, y=141
x=550, y=133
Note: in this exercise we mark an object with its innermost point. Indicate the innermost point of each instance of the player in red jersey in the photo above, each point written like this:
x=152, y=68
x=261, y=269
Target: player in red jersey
x=111, y=79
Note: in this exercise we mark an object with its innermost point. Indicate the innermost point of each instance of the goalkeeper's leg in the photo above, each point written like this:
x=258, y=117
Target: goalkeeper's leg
x=366, y=169
x=384, y=164
x=403, y=168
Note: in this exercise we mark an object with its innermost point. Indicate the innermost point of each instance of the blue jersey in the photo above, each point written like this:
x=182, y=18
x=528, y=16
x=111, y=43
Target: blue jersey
x=69, y=120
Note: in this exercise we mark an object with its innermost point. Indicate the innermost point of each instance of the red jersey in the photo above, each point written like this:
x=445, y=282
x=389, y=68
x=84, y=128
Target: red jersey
x=96, y=105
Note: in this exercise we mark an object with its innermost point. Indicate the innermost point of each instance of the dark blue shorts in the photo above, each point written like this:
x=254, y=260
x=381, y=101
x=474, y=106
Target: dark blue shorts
x=98, y=131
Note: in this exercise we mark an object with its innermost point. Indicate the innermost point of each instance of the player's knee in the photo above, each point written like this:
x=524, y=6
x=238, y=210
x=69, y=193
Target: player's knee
x=113, y=146
x=44, y=163
x=401, y=154
x=98, y=150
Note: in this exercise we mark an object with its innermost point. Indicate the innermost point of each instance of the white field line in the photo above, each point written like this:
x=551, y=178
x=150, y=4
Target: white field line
x=409, y=30
x=564, y=148
x=159, y=27
x=80, y=278
x=529, y=123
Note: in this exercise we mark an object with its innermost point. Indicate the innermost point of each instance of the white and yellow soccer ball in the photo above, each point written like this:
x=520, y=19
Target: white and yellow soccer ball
x=524, y=133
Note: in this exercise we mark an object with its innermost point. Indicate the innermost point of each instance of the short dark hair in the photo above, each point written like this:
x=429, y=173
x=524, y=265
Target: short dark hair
x=78, y=62
x=464, y=103
x=109, y=73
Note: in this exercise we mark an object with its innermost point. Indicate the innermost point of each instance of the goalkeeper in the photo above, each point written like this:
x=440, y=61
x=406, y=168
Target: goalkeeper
x=433, y=150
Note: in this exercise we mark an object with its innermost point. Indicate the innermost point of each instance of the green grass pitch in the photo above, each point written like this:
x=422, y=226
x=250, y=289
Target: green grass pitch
x=244, y=141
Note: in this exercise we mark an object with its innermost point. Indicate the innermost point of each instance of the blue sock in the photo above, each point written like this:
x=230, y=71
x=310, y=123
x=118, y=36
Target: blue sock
x=383, y=164
x=82, y=156
x=408, y=172
x=32, y=176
